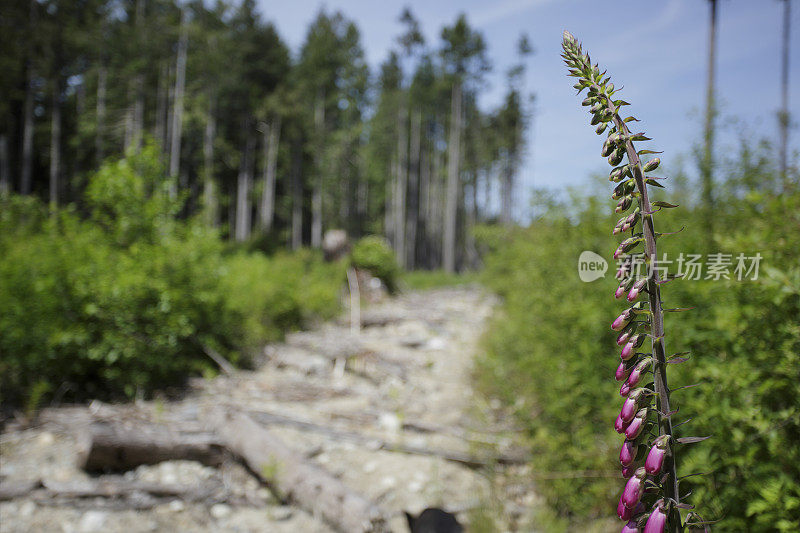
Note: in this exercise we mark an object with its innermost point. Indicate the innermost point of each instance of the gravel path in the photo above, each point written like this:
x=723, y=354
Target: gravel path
x=403, y=381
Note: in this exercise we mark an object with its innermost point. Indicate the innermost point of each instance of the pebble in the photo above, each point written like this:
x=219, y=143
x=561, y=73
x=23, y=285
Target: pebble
x=92, y=521
x=176, y=506
x=220, y=510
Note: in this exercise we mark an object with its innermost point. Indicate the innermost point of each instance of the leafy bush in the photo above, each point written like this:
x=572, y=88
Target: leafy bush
x=548, y=352
x=130, y=298
x=373, y=253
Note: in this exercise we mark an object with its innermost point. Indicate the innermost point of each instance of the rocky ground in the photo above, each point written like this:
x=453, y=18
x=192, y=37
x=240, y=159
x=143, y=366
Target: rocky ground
x=390, y=411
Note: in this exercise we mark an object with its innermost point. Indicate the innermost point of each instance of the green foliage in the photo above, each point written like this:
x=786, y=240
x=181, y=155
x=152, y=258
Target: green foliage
x=373, y=253
x=130, y=298
x=549, y=355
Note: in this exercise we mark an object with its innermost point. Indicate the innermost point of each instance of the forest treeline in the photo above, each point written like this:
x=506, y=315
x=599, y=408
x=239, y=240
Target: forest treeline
x=265, y=144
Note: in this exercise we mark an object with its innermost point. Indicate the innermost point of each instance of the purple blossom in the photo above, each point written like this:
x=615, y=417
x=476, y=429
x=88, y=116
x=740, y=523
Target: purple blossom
x=636, y=374
x=634, y=292
x=632, y=493
x=622, y=320
x=630, y=405
x=630, y=527
x=623, y=338
x=634, y=429
x=627, y=351
x=622, y=372
x=620, y=425
x=628, y=471
x=657, y=521
x=624, y=390
x=619, y=292
x=628, y=453
x=655, y=458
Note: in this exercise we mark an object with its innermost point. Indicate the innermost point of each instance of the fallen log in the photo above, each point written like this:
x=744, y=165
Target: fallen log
x=293, y=478
x=463, y=458
x=106, y=446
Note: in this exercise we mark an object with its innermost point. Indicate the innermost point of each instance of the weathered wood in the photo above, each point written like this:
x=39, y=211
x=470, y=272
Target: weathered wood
x=294, y=478
x=15, y=489
x=374, y=443
x=105, y=446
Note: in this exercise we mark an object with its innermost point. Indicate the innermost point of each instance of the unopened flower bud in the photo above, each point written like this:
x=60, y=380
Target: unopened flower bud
x=634, y=429
x=652, y=164
x=636, y=374
x=657, y=521
x=631, y=527
x=628, y=453
x=632, y=493
x=619, y=292
x=622, y=372
x=623, y=338
x=638, y=286
x=622, y=320
x=628, y=471
x=596, y=108
x=616, y=157
x=627, y=351
x=630, y=406
x=601, y=128
x=620, y=425
x=623, y=204
x=655, y=458
x=624, y=390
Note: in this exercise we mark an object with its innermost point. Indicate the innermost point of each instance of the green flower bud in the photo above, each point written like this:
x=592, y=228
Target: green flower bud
x=652, y=164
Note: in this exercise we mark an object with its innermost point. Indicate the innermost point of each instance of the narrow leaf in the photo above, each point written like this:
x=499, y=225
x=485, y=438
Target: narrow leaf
x=631, y=119
x=645, y=152
x=666, y=205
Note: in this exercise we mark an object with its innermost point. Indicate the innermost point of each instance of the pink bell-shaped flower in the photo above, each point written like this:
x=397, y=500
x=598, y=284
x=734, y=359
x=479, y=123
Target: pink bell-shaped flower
x=634, y=488
x=628, y=453
x=657, y=521
x=655, y=458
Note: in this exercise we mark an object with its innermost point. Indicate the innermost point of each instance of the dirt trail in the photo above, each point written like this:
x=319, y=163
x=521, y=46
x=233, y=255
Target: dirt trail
x=370, y=408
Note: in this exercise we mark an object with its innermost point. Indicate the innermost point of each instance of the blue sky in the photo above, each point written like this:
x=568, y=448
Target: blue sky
x=657, y=51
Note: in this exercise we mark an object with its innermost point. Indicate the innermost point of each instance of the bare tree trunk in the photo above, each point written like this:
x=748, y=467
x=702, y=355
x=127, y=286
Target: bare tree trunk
x=316, y=194
x=388, y=203
x=27, y=136
x=297, y=199
x=272, y=133
x=451, y=199
x=5, y=178
x=707, y=166
x=423, y=228
x=507, y=190
x=55, y=143
x=783, y=116
x=401, y=186
x=99, y=144
x=137, y=112
x=242, y=231
x=209, y=187
x=161, y=107
x=177, y=111
x=413, y=191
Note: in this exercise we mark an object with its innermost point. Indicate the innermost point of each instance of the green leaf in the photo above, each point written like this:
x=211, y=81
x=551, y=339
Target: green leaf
x=665, y=205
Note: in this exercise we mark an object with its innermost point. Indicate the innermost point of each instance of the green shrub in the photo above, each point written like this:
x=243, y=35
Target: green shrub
x=130, y=298
x=373, y=253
